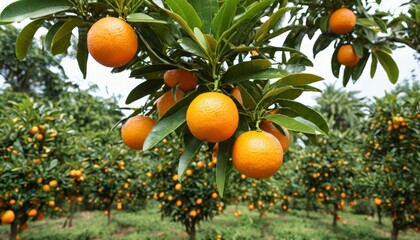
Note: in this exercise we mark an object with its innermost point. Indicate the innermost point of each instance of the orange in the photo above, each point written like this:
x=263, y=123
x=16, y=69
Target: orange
x=135, y=131
x=347, y=56
x=212, y=117
x=178, y=203
x=8, y=217
x=342, y=21
x=32, y=213
x=284, y=139
x=378, y=202
x=33, y=130
x=178, y=186
x=214, y=195
x=189, y=172
x=53, y=183
x=237, y=94
x=112, y=42
x=199, y=201
x=200, y=164
x=46, y=188
x=39, y=137
x=187, y=80
x=193, y=213
x=167, y=100
x=257, y=154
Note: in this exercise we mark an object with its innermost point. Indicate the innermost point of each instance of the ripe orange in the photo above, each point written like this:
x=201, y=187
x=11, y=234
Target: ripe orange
x=257, y=154
x=342, y=21
x=200, y=164
x=189, y=172
x=39, y=137
x=135, y=131
x=32, y=213
x=178, y=203
x=378, y=201
x=178, y=186
x=212, y=117
x=33, y=130
x=237, y=94
x=193, y=213
x=167, y=100
x=187, y=80
x=284, y=139
x=53, y=183
x=46, y=188
x=112, y=42
x=214, y=195
x=347, y=56
x=199, y=201
x=8, y=217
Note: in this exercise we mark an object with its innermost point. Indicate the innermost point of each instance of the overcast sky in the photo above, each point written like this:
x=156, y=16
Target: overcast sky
x=121, y=84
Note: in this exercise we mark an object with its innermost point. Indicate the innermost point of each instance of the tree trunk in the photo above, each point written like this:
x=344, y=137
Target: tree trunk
x=395, y=230
x=379, y=210
x=335, y=215
x=190, y=227
x=13, y=230
x=109, y=216
x=307, y=207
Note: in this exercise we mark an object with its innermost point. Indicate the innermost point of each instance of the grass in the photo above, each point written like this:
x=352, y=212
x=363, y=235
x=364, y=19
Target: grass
x=147, y=224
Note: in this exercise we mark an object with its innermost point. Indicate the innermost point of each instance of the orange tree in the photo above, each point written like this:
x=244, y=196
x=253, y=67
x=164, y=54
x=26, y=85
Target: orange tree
x=190, y=199
x=215, y=42
x=32, y=167
x=392, y=156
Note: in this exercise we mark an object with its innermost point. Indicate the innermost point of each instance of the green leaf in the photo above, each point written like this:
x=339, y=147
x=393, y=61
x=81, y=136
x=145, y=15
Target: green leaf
x=164, y=127
x=191, y=149
x=151, y=71
x=25, y=38
x=192, y=47
x=347, y=74
x=143, y=89
x=323, y=23
x=206, y=11
x=51, y=33
x=275, y=92
x=307, y=113
x=291, y=123
x=373, y=66
x=270, y=23
x=20, y=10
x=323, y=41
x=202, y=40
x=61, y=40
x=299, y=79
x=335, y=65
x=142, y=17
x=224, y=165
x=184, y=9
x=53, y=164
x=224, y=17
x=245, y=70
x=82, y=50
x=388, y=64
x=250, y=95
x=358, y=69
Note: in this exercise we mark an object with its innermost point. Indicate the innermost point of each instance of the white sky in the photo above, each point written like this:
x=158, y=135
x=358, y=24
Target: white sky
x=120, y=84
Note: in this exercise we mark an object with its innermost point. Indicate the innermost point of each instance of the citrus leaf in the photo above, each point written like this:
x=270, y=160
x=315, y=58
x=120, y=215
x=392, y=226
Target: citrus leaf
x=191, y=149
x=299, y=79
x=142, y=17
x=164, y=127
x=206, y=11
x=274, y=92
x=82, y=51
x=249, y=100
x=373, y=66
x=224, y=17
x=388, y=64
x=323, y=41
x=25, y=38
x=153, y=71
x=245, y=70
x=61, y=39
x=307, y=113
x=270, y=23
x=51, y=33
x=191, y=47
x=224, y=165
x=143, y=89
x=291, y=123
x=184, y=9
x=20, y=10
x=335, y=65
x=347, y=74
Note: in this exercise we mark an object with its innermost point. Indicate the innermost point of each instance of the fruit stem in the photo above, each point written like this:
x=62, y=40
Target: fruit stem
x=257, y=125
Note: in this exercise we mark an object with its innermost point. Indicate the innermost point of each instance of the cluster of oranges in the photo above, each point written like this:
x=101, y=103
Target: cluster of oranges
x=342, y=21
x=214, y=117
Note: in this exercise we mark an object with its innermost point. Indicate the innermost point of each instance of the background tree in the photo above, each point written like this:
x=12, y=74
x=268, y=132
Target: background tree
x=392, y=155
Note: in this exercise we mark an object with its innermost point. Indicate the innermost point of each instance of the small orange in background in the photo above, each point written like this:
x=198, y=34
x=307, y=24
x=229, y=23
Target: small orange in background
x=378, y=201
x=34, y=130
x=135, y=131
x=32, y=213
x=178, y=186
x=214, y=195
x=167, y=100
x=257, y=154
x=193, y=213
x=189, y=172
x=112, y=42
x=8, y=217
x=347, y=56
x=212, y=117
x=342, y=21
x=187, y=80
x=284, y=139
